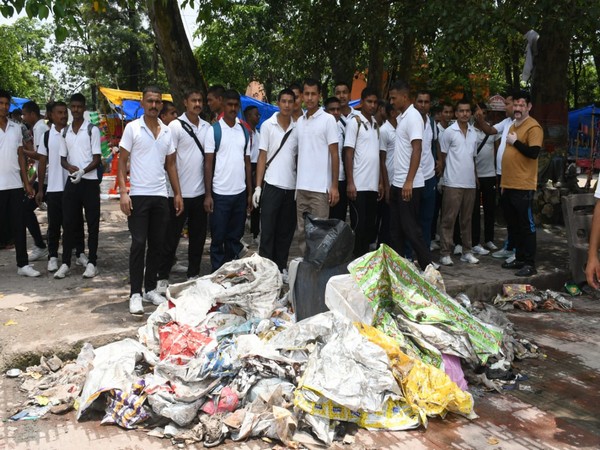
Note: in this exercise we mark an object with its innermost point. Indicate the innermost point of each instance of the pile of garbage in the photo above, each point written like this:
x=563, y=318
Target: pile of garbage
x=225, y=357
x=527, y=298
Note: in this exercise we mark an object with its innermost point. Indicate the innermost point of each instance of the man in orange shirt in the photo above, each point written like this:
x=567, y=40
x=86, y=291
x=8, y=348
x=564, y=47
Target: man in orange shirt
x=519, y=182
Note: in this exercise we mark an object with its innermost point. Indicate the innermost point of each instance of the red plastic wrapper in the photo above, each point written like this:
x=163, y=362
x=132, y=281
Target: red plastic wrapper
x=180, y=343
x=228, y=402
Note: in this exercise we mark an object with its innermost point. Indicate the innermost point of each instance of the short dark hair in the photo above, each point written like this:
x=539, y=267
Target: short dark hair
x=509, y=93
x=389, y=107
x=218, y=90
x=165, y=108
x=367, y=92
x=483, y=105
x=342, y=83
x=295, y=86
x=152, y=89
x=77, y=97
x=58, y=103
x=249, y=108
x=286, y=91
x=400, y=86
x=424, y=92
x=192, y=90
x=32, y=107
x=312, y=82
x=525, y=95
x=446, y=104
x=330, y=100
x=5, y=94
x=231, y=94
x=463, y=101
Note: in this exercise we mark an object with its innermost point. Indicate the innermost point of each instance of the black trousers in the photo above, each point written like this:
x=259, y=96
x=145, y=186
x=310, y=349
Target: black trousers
x=12, y=211
x=363, y=219
x=340, y=210
x=31, y=221
x=255, y=214
x=486, y=194
x=147, y=224
x=405, y=226
x=383, y=219
x=510, y=232
x=518, y=211
x=86, y=195
x=193, y=211
x=278, y=223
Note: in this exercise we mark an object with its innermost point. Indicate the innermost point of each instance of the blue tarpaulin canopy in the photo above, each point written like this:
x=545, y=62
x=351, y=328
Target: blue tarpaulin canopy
x=17, y=103
x=583, y=126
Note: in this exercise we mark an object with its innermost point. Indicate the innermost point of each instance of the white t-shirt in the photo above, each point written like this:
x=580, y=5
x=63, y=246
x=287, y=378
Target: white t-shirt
x=190, y=161
x=460, y=151
x=345, y=119
x=341, y=137
x=365, y=142
x=255, y=148
x=410, y=128
x=427, y=163
x=502, y=129
x=485, y=158
x=387, y=144
x=315, y=134
x=56, y=176
x=147, y=174
x=39, y=129
x=230, y=168
x=281, y=172
x=597, y=193
x=10, y=141
x=82, y=147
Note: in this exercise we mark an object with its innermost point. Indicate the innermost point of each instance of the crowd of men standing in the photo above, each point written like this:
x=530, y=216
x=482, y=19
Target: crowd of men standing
x=400, y=175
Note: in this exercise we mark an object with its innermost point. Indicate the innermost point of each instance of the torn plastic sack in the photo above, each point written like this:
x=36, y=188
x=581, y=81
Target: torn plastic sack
x=126, y=408
x=180, y=343
x=329, y=242
x=226, y=399
x=453, y=369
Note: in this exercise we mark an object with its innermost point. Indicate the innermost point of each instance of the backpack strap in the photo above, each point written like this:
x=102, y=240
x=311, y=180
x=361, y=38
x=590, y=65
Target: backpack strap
x=46, y=140
x=188, y=129
x=218, y=133
x=285, y=137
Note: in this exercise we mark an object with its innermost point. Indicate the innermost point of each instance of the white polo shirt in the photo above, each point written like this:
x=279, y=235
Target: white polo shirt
x=365, y=142
x=345, y=119
x=282, y=170
x=460, y=151
x=230, y=168
x=82, y=147
x=56, y=176
x=410, y=128
x=341, y=138
x=147, y=156
x=255, y=147
x=485, y=158
x=502, y=129
x=10, y=141
x=427, y=163
x=315, y=134
x=190, y=161
x=38, y=130
x=387, y=144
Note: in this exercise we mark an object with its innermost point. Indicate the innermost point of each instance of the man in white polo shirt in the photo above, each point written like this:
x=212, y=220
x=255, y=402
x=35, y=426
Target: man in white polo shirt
x=14, y=184
x=277, y=167
x=459, y=149
x=387, y=145
x=318, y=162
x=227, y=181
x=361, y=153
x=342, y=92
x=340, y=210
x=81, y=158
x=188, y=134
x=408, y=183
x=147, y=141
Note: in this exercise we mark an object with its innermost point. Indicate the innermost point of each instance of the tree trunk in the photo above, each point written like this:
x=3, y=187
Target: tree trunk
x=180, y=65
x=375, y=76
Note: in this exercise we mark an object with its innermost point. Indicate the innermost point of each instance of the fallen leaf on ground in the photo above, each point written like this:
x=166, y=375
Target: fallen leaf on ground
x=9, y=323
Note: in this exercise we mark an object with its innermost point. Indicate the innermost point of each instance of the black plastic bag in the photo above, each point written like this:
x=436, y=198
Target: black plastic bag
x=329, y=242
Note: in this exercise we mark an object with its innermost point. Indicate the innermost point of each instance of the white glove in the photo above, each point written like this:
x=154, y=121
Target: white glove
x=256, y=196
x=511, y=138
x=76, y=176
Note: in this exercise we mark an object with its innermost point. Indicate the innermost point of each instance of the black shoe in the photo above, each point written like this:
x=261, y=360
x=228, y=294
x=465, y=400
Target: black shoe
x=513, y=265
x=526, y=271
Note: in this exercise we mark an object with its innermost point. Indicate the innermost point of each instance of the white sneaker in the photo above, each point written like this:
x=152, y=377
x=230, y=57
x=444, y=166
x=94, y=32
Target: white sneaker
x=510, y=259
x=435, y=265
x=82, y=260
x=469, y=258
x=503, y=254
x=446, y=261
x=161, y=286
x=458, y=249
x=179, y=268
x=62, y=272
x=154, y=297
x=38, y=253
x=434, y=246
x=53, y=264
x=490, y=246
x=90, y=271
x=479, y=250
x=285, y=276
x=135, y=304
x=27, y=271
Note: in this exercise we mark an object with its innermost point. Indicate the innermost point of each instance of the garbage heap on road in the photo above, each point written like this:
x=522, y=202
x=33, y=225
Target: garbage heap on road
x=225, y=357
